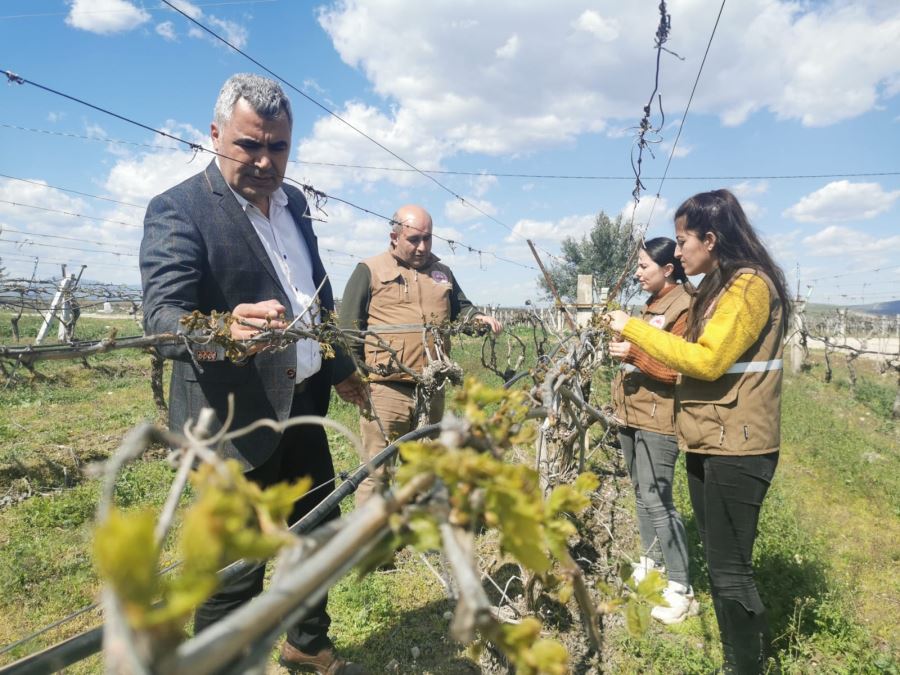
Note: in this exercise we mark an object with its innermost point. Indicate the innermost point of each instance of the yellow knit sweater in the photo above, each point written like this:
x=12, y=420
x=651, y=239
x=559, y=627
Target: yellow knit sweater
x=734, y=326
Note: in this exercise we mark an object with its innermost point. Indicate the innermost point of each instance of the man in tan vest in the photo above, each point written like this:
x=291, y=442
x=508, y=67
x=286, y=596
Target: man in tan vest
x=395, y=294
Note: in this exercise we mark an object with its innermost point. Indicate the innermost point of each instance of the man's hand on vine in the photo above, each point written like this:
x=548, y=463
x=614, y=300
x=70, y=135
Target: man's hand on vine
x=490, y=322
x=354, y=390
x=251, y=318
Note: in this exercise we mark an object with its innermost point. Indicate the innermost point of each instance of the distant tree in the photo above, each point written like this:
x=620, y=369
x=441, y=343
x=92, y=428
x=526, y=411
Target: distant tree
x=604, y=252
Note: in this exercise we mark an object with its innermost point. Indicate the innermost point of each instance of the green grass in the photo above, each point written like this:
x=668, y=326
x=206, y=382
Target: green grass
x=828, y=539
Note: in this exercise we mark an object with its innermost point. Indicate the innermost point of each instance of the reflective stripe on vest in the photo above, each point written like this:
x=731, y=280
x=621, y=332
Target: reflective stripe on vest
x=755, y=366
x=396, y=327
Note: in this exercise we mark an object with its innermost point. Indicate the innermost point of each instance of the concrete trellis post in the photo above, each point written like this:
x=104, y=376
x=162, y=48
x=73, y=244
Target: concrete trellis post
x=797, y=355
x=60, y=302
x=584, y=300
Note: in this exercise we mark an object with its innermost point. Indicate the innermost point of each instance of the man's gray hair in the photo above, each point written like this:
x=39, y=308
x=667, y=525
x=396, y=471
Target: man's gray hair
x=265, y=97
x=396, y=224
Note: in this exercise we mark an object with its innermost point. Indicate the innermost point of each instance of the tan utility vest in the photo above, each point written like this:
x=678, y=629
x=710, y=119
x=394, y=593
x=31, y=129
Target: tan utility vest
x=740, y=413
x=640, y=401
x=402, y=301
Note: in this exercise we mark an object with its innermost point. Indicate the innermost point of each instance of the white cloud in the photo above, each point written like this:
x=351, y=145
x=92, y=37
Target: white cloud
x=842, y=201
x=804, y=62
x=188, y=8
x=21, y=229
x=116, y=16
x=606, y=30
x=361, y=236
x=54, y=117
x=334, y=142
x=232, y=31
x=166, y=29
x=748, y=188
x=797, y=60
x=105, y=16
x=649, y=210
x=753, y=210
x=311, y=86
x=781, y=245
x=481, y=185
x=681, y=150
x=509, y=49
x=29, y=193
x=836, y=240
x=574, y=226
x=140, y=176
x=457, y=212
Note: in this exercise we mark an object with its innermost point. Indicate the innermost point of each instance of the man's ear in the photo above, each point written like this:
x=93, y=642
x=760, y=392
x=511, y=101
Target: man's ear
x=214, y=135
x=393, y=239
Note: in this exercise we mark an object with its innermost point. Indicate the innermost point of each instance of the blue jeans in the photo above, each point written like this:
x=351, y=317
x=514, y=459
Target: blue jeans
x=650, y=458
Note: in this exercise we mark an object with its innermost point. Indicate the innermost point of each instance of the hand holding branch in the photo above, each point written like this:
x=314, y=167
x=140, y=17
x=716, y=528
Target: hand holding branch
x=354, y=390
x=490, y=322
x=251, y=318
x=616, y=320
x=619, y=349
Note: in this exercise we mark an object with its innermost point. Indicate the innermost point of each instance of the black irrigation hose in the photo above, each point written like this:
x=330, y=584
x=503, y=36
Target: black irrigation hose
x=88, y=643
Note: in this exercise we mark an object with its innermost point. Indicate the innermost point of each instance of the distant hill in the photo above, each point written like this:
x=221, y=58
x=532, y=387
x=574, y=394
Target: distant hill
x=891, y=307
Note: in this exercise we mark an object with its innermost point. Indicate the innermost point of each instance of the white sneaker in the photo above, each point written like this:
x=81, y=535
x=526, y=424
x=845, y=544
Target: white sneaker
x=680, y=601
x=643, y=567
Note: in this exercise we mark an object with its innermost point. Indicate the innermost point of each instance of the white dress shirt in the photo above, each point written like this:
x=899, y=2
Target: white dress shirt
x=291, y=259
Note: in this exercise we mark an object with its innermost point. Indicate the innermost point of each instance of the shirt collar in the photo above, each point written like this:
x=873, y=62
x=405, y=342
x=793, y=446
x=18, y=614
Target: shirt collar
x=432, y=258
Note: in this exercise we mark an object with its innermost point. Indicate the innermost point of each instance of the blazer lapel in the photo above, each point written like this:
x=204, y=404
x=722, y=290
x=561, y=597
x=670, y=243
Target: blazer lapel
x=239, y=220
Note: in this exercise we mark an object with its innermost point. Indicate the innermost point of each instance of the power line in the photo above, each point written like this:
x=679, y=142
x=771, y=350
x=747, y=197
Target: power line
x=847, y=274
x=149, y=9
x=545, y=176
x=26, y=242
x=684, y=117
x=75, y=192
x=68, y=213
x=645, y=127
x=66, y=134
x=317, y=195
x=4, y=228
x=480, y=172
x=32, y=259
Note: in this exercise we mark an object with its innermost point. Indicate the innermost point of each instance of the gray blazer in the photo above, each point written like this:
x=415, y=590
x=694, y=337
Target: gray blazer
x=200, y=251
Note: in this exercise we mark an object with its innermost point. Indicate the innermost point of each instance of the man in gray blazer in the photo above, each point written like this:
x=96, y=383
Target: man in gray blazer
x=233, y=238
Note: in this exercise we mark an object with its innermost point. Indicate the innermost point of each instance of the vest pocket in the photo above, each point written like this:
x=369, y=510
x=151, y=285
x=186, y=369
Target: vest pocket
x=377, y=356
x=701, y=418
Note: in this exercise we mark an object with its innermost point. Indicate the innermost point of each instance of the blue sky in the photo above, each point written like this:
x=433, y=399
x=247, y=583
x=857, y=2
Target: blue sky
x=500, y=87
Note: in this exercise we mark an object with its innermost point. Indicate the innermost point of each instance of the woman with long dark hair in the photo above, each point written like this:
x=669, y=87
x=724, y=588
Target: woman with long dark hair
x=644, y=397
x=728, y=402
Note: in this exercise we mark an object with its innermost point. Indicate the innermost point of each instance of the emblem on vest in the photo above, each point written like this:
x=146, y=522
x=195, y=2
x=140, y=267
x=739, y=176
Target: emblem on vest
x=658, y=321
x=440, y=277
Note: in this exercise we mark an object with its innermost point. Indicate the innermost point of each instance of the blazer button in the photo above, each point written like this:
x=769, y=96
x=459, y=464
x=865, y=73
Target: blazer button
x=291, y=373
